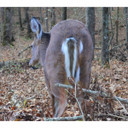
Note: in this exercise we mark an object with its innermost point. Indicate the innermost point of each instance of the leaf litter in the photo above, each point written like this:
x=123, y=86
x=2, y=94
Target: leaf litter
x=24, y=95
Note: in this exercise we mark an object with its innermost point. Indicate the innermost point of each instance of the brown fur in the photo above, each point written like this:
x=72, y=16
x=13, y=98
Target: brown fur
x=71, y=53
x=61, y=31
x=52, y=58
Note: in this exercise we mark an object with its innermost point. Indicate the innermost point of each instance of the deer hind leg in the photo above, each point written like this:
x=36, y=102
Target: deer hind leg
x=60, y=105
x=52, y=103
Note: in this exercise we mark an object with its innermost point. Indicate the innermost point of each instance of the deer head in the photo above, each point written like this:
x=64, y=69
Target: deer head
x=40, y=43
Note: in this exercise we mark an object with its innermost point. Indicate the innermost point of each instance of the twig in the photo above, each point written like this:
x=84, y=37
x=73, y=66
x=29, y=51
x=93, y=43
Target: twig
x=96, y=48
x=117, y=46
x=78, y=102
x=8, y=63
x=64, y=85
x=122, y=105
x=81, y=117
x=121, y=99
x=95, y=93
x=29, y=98
x=64, y=118
x=111, y=115
x=24, y=50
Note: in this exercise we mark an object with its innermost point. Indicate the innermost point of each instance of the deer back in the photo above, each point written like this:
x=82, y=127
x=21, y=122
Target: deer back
x=66, y=52
x=57, y=65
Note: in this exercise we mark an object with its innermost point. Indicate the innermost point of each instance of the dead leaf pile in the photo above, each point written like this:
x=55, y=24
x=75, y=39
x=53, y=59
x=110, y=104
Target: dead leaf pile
x=24, y=95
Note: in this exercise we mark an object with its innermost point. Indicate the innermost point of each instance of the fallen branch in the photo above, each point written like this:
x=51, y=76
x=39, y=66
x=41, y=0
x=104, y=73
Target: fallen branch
x=122, y=106
x=64, y=118
x=112, y=116
x=78, y=104
x=14, y=62
x=95, y=93
x=118, y=46
x=81, y=117
x=96, y=48
x=24, y=50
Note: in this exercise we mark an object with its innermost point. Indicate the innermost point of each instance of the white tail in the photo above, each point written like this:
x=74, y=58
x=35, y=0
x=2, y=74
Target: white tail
x=64, y=52
x=70, y=55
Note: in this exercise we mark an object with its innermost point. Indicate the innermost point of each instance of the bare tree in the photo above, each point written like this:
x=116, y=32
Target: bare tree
x=105, y=45
x=2, y=22
x=90, y=22
x=117, y=24
x=7, y=30
x=41, y=17
x=46, y=19
x=126, y=17
x=64, y=13
x=27, y=21
x=53, y=17
x=20, y=19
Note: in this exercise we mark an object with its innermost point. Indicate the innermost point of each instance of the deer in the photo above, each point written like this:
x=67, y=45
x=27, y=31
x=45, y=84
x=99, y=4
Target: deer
x=64, y=52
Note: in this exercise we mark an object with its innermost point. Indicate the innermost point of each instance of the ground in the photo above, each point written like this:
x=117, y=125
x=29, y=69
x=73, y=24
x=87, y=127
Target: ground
x=24, y=95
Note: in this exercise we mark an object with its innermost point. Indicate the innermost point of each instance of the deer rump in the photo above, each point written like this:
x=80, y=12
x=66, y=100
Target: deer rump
x=64, y=52
x=69, y=54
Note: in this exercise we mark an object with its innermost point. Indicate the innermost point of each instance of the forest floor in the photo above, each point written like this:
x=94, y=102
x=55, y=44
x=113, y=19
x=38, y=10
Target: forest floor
x=24, y=95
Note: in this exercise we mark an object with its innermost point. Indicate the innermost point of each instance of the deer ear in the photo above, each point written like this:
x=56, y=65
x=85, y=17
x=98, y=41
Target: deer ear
x=36, y=27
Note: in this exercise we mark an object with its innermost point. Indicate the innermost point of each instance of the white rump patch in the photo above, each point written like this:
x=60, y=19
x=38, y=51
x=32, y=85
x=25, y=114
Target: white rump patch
x=65, y=51
x=81, y=47
x=74, y=60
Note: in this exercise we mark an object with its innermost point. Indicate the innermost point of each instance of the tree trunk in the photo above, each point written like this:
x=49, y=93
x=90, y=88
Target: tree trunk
x=90, y=22
x=64, y=13
x=53, y=17
x=41, y=17
x=46, y=19
x=105, y=45
x=126, y=17
x=7, y=30
x=27, y=21
x=2, y=22
x=111, y=28
x=20, y=19
x=117, y=24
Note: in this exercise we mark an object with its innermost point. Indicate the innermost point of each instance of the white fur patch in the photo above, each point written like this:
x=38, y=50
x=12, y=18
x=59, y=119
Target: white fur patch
x=81, y=47
x=64, y=49
x=74, y=60
x=77, y=75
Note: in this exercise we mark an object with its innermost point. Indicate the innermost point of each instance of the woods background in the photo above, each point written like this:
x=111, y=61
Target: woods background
x=111, y=23
x=20, y=85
